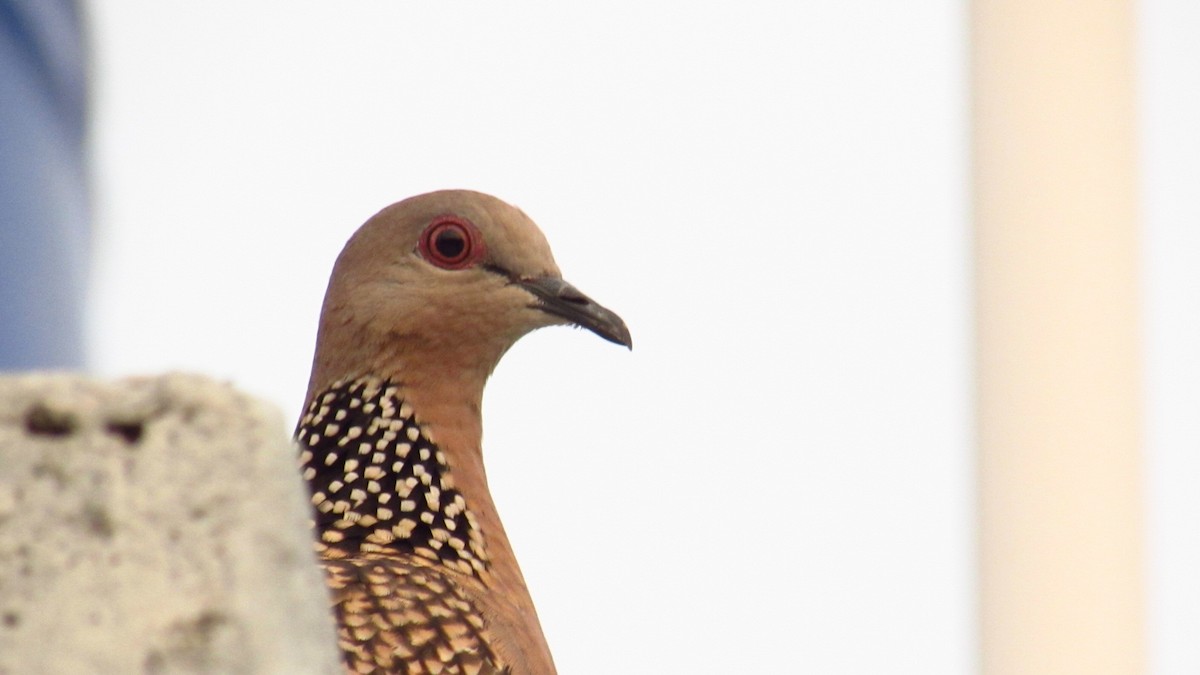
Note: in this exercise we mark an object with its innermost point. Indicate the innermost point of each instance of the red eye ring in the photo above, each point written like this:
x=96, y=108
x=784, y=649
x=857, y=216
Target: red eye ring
x=451, y=243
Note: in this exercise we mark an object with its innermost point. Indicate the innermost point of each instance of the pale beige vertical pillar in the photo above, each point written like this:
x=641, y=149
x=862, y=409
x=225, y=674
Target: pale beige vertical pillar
x=1057, y=307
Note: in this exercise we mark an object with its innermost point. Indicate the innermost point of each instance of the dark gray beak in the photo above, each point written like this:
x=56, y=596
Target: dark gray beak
x=561, y=299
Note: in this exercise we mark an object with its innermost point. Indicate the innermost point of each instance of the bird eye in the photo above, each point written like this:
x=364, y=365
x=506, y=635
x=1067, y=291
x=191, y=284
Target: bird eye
x=451, y=243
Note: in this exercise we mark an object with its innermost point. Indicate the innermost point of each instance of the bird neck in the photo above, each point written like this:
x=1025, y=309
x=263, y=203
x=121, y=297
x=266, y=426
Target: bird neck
x=395, y=467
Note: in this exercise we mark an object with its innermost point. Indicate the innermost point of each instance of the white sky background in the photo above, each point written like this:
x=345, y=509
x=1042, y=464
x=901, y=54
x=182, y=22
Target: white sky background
x=779, y=477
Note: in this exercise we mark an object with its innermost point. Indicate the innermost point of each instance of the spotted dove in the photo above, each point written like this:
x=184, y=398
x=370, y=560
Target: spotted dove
x=423, y=301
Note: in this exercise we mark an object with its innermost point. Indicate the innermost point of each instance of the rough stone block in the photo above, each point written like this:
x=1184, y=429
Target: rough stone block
x=153, y=525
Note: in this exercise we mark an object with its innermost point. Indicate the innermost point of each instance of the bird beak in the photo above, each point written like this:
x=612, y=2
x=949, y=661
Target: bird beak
x=561, y=299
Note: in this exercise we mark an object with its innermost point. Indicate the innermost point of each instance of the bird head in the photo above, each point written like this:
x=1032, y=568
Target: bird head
x=454, y=277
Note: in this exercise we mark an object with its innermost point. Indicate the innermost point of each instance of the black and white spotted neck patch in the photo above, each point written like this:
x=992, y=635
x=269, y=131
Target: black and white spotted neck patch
x=378, y=483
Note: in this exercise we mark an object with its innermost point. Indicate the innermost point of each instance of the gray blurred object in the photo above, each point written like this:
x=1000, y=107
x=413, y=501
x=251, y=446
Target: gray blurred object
x=45, y=231
x=154, y=525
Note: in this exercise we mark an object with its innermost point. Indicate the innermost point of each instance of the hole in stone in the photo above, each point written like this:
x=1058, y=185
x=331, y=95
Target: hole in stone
x=11, y=619
x=48, y=469
x=43, y=421
x=130, y=431
x=97, y=520
x=155, y=663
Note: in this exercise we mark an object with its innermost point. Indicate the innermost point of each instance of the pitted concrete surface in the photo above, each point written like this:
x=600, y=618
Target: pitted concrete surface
x=153, y=525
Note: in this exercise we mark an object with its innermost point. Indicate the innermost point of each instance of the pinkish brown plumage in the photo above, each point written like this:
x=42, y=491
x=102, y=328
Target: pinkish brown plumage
x=422, y=303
